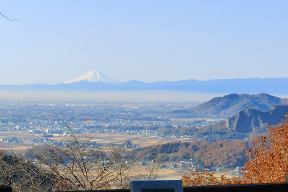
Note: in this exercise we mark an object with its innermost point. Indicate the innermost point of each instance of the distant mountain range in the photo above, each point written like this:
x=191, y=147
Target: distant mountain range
x=97, y=81
x=229, y=105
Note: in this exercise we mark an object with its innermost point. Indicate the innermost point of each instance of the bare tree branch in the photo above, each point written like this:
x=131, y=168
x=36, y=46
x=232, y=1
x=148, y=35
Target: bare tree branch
x=8, y=18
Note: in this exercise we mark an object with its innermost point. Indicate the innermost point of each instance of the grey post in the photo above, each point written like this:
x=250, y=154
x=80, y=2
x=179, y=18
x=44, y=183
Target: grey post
x=5, y=188
x=174, y=185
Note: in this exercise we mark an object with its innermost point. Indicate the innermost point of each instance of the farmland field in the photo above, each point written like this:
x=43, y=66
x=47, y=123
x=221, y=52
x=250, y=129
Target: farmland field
x=140, y=140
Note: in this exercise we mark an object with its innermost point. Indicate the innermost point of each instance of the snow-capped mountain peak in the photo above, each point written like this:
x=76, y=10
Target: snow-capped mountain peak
x=93, y=76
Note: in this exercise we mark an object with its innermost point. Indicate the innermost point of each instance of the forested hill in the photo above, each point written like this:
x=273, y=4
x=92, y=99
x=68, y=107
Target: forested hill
x=229, y=105
x=220, y=153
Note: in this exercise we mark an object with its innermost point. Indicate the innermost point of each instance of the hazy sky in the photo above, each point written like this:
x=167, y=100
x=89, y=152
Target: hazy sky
x=148, y=40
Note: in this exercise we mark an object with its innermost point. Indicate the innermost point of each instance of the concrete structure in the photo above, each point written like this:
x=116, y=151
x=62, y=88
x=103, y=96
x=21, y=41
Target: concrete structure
x=156, y=185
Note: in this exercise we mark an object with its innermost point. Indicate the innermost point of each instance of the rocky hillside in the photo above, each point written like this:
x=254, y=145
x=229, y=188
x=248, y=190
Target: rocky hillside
x=229, y=105
x=250, y=119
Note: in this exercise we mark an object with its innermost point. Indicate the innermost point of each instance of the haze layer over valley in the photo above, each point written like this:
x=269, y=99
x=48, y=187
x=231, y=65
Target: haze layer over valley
x=143, y=123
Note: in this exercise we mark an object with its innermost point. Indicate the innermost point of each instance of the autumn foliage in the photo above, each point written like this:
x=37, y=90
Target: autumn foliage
x=220, y=153
x=267, y=162
x=207, y=178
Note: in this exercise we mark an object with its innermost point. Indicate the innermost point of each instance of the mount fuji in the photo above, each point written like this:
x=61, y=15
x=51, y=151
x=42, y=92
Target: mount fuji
x=93, y=76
